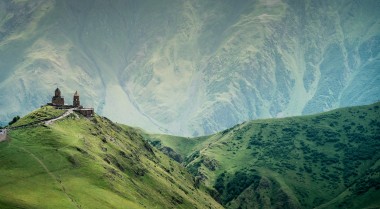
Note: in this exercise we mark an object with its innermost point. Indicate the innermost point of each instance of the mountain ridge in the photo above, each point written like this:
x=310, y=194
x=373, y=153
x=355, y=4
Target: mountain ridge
x=190, y=67
x=326, y=160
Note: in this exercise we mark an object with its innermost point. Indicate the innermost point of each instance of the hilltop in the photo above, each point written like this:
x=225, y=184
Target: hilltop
x=328, y=160
x=79, y=162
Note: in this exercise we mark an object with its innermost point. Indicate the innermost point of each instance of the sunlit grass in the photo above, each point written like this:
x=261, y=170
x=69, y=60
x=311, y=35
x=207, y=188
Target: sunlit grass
x=90, y=163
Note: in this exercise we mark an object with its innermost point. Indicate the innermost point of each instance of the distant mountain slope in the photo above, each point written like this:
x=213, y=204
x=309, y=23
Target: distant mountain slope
x=190, y=67
x=90, y=163
x=328, y=160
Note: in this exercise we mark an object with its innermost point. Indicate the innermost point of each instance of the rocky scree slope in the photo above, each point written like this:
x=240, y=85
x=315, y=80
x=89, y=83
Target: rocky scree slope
x=190, y=67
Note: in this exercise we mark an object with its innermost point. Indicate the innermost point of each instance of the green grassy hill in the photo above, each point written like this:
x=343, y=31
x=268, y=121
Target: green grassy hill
x=328, y=160
x=90, y=163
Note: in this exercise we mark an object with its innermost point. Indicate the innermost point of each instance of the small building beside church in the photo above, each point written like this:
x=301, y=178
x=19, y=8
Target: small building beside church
x=87, y=112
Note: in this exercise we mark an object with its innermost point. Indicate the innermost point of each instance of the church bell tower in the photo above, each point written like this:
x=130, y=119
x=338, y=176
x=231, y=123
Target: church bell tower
x=76, y=102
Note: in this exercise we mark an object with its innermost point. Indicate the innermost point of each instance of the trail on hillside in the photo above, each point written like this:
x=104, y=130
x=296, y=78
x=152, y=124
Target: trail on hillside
x=3, y=135
x=46, y=122
x=52, y=176
x=67, y=113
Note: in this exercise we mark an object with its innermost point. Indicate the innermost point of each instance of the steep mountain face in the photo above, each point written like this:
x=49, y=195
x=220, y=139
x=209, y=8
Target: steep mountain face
x=329, y=160
x=190, y=67
x=90, y=163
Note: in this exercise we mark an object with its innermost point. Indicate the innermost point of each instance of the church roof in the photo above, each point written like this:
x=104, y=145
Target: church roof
x=76, y=93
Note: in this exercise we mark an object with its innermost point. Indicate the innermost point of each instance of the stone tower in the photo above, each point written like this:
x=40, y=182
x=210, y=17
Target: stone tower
x=57, y=93
x=57, y=99
x=76, y=101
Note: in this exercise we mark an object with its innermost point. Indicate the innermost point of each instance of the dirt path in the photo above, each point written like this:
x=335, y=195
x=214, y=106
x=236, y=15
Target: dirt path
x=3, y=133
x=67, y=113
x=52, y=176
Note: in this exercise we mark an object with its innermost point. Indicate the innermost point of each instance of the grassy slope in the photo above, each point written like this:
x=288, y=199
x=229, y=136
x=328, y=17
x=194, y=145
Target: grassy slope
x=329, y=160
x=94, y=163
x=181, y=145
x=44, y=113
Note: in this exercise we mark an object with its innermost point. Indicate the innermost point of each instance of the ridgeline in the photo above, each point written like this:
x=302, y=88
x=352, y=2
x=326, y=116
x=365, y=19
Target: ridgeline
x=328, y=160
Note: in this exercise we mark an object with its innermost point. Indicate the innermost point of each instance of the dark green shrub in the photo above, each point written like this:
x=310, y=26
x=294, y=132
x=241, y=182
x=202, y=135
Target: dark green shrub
x=193, y=168
x=308, y=169
x=14, y=120
x=156, y=143
x=219, y=184
x=238, y=184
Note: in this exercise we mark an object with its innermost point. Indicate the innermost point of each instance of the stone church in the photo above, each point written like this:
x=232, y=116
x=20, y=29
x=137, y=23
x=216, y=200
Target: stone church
x=57, y=99
x=59, y=102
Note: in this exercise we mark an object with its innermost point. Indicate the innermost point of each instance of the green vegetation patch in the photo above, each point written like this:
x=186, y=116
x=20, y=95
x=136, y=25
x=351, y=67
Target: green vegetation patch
x=324, y=160
x=42, y=114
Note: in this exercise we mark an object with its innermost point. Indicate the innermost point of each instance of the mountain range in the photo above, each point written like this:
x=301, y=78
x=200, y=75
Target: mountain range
x=190, y=67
